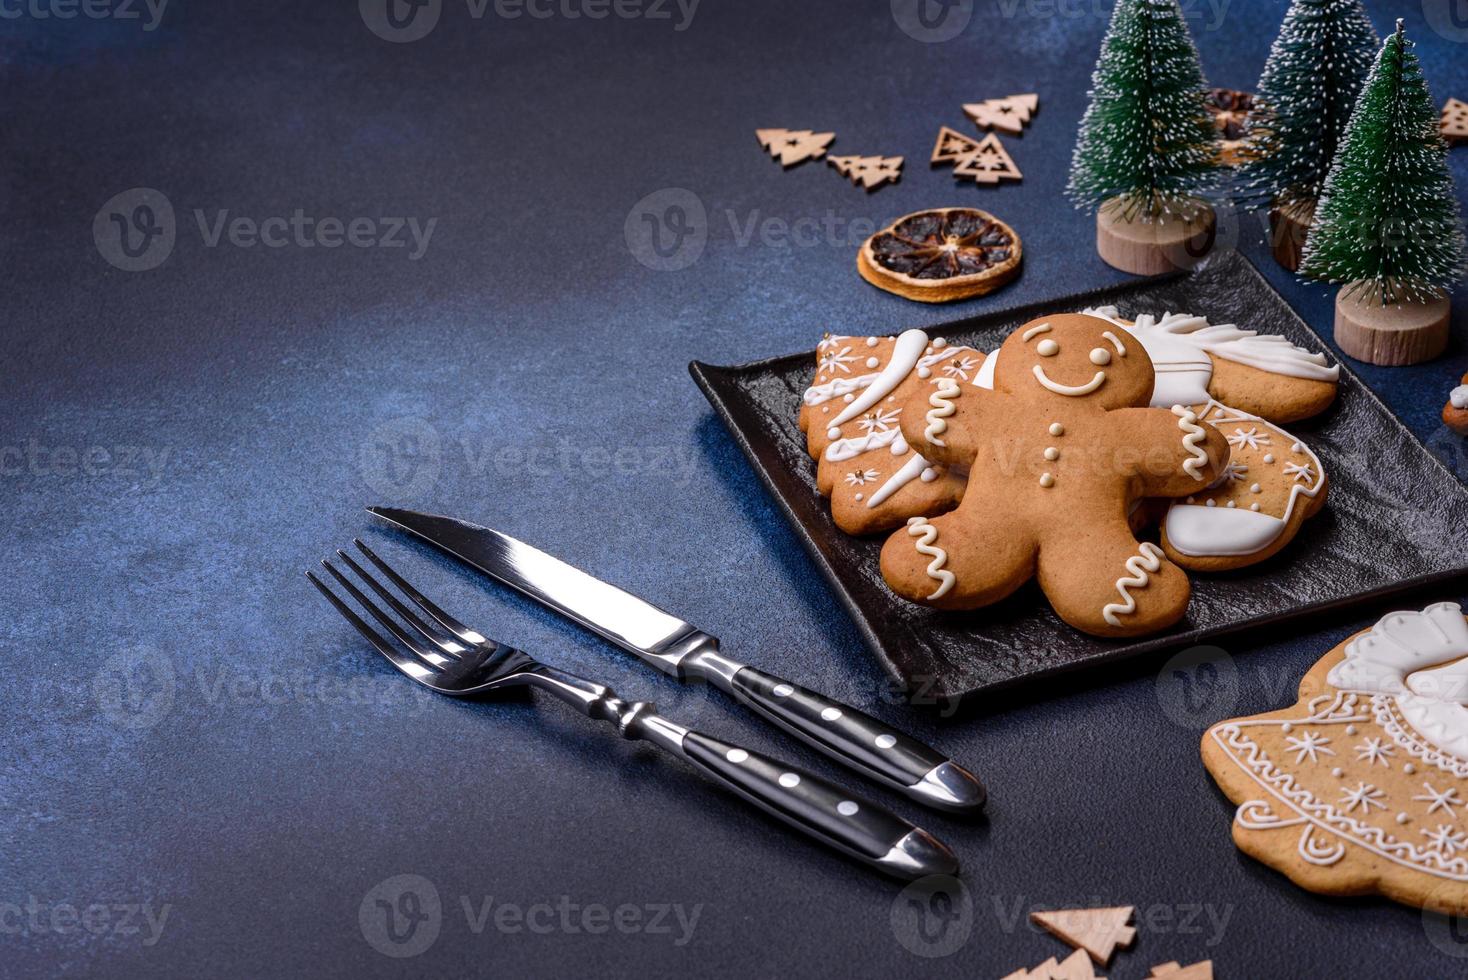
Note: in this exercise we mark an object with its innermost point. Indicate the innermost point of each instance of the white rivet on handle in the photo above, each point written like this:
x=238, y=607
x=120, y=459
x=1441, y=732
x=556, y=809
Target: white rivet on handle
x=789, y=780
x=886, y=741
x=783, y=690
x=847, y=808
x=737, y=755
x=830, y=714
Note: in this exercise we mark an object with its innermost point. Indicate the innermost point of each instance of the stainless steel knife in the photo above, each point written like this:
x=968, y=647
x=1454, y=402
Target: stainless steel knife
x=686, y=652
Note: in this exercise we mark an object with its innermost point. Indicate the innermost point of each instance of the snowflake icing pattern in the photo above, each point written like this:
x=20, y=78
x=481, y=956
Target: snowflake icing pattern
x=879, y=421
x=834, y=360
x=1250, y=437
x=1445, y=840
x=858, y=478
x=1309, y=744
x=960, y=368
x=1233, y=473
x=1441, y=800
x=1373, y=751
x=831, y=340
x=1365, y=796
x=1300, y=471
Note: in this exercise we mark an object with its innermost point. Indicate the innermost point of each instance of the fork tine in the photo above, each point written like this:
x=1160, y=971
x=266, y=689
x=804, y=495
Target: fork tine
x=407, y=615
x=428, y=605
x=407, y=665
x=423, y=653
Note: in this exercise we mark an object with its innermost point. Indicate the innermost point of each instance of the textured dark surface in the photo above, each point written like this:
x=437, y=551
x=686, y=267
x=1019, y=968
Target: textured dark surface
x=1385, y=530
x=279, y=772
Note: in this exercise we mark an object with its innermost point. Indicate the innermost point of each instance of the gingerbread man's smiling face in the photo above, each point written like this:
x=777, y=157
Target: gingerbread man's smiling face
x=1078, y=358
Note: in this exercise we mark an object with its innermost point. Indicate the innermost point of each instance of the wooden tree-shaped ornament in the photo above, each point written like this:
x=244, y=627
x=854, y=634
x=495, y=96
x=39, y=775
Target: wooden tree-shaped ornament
x=1097, y=931
x=1147, y=146
x=868, y=172
x=1010, y=115
x=1176, y=971
x=1454, y=123
x=1304, y=101
x=1074, y=967
x=951, y=147
x=988, y=163
x=792, y=146
x=1388, y=226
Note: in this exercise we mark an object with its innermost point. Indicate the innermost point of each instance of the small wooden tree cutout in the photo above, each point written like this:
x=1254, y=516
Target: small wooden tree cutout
x=868, y=172
x=951, y=147
x=1010, y=115
x=1173, y=971
x=1454, y=124
x=792, y=146
x=1075, y=967
x=1097, y=931
x=988, y=163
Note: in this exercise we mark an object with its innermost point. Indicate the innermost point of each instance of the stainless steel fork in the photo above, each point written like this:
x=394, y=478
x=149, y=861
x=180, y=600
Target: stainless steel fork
x=446, y=656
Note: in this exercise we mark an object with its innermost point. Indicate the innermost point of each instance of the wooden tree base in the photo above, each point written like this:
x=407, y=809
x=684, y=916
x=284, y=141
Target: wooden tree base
x=1288, y=228
x=1407, y=333
x=1150, y=248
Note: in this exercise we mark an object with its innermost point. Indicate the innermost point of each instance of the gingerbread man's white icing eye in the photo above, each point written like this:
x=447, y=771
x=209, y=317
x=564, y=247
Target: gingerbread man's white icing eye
x=1047, y=348
x=1100, y=356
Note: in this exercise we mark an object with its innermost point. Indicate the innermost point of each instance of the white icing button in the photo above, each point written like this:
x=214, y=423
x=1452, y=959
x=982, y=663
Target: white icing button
x=833, y=433
x=783, y=690
x=1100, y=356
x=847, y=808
x=1190, y=500
x=872, y=362
x=1051, y=453
x=925, y=372
x=929, y=475
x=1256, y=488
x=1337, y=772
x=1254, y=507
x=848, y=398
x=1056, y=429
x=789, y=780
x=940, y=342
x=830, y=714
x=1231, y=503
x=871, y=341
x=737, y=756
x=1047, y=348
x=1402, y=818
x=1269, y=457
x=1286, y=728
x=1212, y=502
x=858, y=496
x=1295, y=448
x=1409, y=769
x=1046, y=480
x=886, y=741
x=825, y=409
x=1350, y=729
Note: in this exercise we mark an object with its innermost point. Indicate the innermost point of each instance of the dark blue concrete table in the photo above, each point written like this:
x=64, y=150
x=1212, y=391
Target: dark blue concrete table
x=204, y=772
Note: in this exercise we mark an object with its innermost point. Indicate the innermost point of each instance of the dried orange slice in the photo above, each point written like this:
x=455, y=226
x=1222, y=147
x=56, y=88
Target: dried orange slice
x=941, y=255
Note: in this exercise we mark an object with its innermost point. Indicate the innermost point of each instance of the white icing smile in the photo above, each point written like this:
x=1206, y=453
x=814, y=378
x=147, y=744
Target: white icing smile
x=1070, y=390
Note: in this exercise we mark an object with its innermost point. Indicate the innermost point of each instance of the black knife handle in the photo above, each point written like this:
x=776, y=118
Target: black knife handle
x=823, y=810
x=861, y=741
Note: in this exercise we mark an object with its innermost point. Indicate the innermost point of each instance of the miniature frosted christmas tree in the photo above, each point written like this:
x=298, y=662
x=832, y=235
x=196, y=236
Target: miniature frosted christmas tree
x=1388, y=225
x=1147, y=147
x=1301, y=107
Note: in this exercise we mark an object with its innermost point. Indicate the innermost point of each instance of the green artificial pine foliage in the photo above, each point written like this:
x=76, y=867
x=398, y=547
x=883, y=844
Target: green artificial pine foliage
x=1304, y=100
x=1147, y=137
x=1388, y=217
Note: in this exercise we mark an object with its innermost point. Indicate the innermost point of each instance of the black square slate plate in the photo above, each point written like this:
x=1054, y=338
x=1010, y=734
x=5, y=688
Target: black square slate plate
x=1396, y=518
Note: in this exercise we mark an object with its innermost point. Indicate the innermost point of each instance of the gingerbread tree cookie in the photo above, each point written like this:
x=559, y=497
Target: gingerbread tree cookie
x=851, y=416
x=1361, y=787
x=1455, y=412
x=1057, y=453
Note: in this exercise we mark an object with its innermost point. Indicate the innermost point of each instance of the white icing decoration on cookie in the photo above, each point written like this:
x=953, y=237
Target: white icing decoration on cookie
x=1070, y=391
x=1035, y=331
x=1458, y=397
x=1115, y=342
x=918, y=527
x=820, y=394
x=943, y=407
x=909, y=471
x=843, y=449
x=1047, y=348
x=905, y=354
x=1147, y=561
x=985, y=377
x=1267, y=352
x=1188, y=422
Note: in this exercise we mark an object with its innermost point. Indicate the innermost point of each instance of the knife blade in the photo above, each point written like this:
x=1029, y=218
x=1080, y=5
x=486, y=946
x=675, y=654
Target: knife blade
x=685, y=652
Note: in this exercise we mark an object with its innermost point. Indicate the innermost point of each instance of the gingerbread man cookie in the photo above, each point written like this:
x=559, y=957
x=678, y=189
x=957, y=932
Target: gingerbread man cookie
x=1056, y=452
x=851, y=416
x=1362, y=786
x=1262, y=374
x=1455, y=412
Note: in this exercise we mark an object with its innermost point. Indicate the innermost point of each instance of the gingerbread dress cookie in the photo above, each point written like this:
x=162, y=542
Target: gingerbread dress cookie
x=851, y=416
x=1056, y=452
x=1362, y=786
